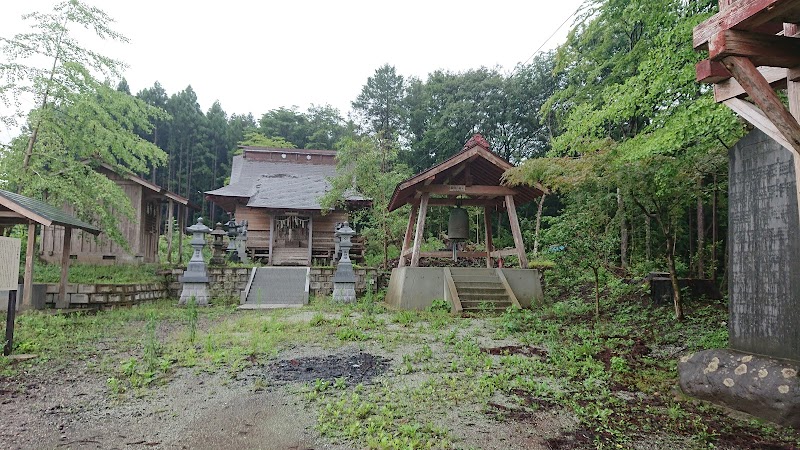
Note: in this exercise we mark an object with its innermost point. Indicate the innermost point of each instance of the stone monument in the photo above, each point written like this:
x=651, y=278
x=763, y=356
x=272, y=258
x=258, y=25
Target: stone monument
x=758, y=373
x=344, y=280
x=195, y=279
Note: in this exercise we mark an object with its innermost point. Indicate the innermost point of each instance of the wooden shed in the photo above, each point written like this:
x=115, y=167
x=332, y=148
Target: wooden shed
x=277, y=191
x=142, y=233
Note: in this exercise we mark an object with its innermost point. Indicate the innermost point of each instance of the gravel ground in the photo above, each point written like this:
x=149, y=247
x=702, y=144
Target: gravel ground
x=61, y=407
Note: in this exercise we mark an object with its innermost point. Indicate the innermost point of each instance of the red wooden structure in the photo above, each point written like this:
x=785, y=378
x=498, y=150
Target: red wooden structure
x=475, y=173
x=753, y=51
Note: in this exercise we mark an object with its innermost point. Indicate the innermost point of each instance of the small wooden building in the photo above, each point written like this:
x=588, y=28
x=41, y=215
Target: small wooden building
x=277, y=191
x=471, y=177
x=142, y=233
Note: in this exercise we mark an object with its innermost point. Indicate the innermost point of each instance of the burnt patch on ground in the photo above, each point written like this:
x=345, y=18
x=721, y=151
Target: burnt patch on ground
x=524, y=350
x=354, y=368
x=578, y=439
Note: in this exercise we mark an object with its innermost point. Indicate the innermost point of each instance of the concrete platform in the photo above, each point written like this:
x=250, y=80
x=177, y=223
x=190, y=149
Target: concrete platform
x=417, y=287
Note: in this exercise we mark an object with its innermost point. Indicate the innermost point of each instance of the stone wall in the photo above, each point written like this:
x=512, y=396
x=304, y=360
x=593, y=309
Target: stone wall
x=107, y=294
x=225, y=283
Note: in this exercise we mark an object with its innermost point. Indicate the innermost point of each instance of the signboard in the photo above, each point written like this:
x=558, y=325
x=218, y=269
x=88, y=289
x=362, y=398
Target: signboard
x=457, y=188
x=9, y=263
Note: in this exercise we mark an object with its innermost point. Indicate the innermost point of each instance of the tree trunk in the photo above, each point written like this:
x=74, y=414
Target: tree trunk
x=714, y=243
x=538, y=225
x=701, y=232
x=673, y=277
x=647, y=250
x=623, y=231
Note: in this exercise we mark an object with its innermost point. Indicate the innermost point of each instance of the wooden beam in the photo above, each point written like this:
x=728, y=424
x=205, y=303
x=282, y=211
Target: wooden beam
x=516, y=232
x=762, y=94
x=171, y=214
x=11, y=215
x=418, y=236
x=761, y=49
x=754, y=116
x=730, y=88
x=27, y=290
x=450, y=201
x=272, y=239
x=487, y=226
x=460, y=189
x=742, y=15
x=310, y=236
x=62, y=301
x=708, y=71
x=412, y=216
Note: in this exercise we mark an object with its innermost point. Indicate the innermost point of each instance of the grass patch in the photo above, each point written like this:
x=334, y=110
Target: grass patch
x=99, y=274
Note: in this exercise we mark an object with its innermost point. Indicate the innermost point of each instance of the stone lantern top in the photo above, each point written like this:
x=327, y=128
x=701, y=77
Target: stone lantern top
x=199, y=227
x=218, y=231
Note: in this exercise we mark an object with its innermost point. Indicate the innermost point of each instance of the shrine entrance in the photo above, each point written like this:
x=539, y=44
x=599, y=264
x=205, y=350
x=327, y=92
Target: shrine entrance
x=291, y=245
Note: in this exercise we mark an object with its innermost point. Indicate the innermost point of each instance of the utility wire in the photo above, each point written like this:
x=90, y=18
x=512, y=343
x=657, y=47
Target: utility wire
x=550, y=37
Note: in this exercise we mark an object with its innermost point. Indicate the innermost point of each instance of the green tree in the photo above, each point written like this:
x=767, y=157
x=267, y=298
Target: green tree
x=79, y=122
x=379, y=108
x=357, y=160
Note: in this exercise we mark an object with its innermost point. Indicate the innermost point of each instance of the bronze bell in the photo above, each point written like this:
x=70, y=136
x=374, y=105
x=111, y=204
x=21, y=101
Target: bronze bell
x=458, y=225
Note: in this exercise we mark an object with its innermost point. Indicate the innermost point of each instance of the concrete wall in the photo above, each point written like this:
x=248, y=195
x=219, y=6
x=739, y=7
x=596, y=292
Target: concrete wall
x=417, y=287
x=526, y=284
x=764, y=239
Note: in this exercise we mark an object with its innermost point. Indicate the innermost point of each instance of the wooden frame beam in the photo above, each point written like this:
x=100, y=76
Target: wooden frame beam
x=516, y=232
x=487, y=226
x=761, y=49
x=458, y=189
x=742, y=15
x=62, y=301
x=412, y=217
x=730, y=88
x=421, y=216
x=762, y=94
x=451, y=201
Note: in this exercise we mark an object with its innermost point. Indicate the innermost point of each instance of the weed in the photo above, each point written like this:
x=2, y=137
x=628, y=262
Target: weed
x=191, y=318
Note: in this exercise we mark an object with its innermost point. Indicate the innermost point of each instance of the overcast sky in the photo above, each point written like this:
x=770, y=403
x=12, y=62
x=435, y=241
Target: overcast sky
x=256, y=56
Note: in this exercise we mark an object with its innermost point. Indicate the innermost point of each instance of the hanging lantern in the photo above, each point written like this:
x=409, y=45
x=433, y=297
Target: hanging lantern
x=458, y=225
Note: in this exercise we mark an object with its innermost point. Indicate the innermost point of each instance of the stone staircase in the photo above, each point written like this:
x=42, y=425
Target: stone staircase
x=276, y=287
x=481, y=290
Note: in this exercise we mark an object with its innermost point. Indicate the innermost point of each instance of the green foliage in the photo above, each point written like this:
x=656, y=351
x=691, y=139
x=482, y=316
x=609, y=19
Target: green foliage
x=79, y=124
x=98, y=274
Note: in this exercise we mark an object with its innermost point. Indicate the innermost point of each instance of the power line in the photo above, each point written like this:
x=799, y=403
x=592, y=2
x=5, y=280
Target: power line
x=551, y=36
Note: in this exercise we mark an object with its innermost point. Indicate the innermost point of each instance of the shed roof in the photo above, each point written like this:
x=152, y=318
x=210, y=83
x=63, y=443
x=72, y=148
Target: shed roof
x=16, y=208
x=485, y=168
x=277, y=185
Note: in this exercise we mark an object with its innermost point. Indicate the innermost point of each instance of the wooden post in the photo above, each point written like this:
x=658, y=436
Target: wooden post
x=310, y=237
x=27, y=291
x=412, y=216
x=170, y=215
x=418, y=236
x=62, y=301
x=487, y=224
x=181, y=219
x=516, y=232
x=271, y=237
x=793, y=94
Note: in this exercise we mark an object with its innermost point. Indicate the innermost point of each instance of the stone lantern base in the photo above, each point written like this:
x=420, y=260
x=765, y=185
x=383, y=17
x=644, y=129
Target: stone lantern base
x=197, y=290
x=344, y=292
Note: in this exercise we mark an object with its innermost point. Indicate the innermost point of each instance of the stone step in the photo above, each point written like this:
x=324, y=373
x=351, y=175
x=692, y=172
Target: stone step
x=483, y=297
x=278, y=286
x=488, y=289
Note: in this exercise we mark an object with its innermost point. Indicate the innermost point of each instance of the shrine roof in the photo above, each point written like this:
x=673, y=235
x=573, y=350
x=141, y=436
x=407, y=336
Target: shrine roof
x=277, y=185
x=475, y=164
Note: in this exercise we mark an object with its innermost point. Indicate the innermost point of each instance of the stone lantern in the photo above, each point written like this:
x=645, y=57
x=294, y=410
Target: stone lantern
x=218, y=256
x=344, y=280
x=233, y=255
x=195, y=279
